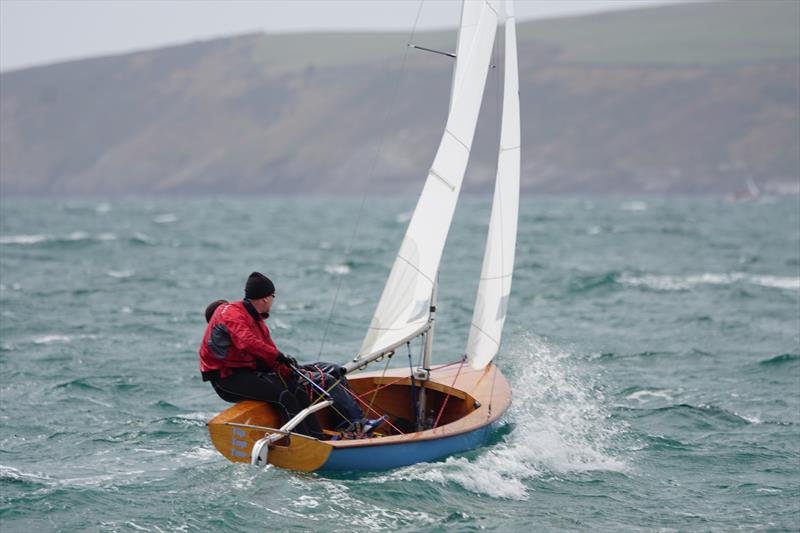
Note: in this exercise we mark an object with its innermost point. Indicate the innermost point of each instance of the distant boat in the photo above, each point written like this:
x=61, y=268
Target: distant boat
x=752, y=192
x=433, y=410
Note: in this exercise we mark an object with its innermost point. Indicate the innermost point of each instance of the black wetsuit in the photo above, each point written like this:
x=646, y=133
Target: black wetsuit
x=288, y=396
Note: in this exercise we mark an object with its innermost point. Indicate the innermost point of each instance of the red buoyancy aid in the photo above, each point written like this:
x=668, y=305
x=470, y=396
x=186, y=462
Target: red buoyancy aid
x=235, y=340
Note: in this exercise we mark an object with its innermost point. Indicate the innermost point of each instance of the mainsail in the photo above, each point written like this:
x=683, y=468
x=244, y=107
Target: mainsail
x=404, y=307
x=498, y=260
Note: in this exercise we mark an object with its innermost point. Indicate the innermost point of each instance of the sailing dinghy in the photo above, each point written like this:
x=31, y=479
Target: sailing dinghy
x=433, y=410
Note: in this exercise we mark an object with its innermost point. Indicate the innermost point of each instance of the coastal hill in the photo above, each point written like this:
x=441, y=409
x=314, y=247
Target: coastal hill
x=687, y=98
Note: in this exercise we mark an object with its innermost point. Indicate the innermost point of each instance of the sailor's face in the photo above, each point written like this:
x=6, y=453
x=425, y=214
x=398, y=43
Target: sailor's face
x=263, y=305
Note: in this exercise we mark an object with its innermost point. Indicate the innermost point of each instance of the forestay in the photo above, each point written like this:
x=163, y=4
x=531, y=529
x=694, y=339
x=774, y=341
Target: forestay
x=404, y=307
x=498, y=259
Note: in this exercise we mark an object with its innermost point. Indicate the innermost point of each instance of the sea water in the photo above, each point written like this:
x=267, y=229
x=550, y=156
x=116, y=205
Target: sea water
x=653, y=346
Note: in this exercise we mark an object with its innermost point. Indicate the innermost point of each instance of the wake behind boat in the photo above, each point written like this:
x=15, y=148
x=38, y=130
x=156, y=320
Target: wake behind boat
x=429, y=411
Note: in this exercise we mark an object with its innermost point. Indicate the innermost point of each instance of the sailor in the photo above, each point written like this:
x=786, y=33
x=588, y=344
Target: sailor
x=241, y=361
x=326, y=376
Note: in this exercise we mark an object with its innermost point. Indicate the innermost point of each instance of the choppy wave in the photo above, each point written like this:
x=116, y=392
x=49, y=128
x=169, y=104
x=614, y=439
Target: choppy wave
x=338, y=504
x=51, y=339
x=702, y=414
x=683, y=283
x=338, y=269
x=780, y=360
x=14, y=475
x=22, y=239
x=644, y=395
x=74, y=237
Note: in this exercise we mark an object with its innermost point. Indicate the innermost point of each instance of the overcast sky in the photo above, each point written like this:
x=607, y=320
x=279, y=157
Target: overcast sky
x=36, y=32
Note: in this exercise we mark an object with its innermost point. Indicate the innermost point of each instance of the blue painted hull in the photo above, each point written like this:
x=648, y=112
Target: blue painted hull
x=383, y=457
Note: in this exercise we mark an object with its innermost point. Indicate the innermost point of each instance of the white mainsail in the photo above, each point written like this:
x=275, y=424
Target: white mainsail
x=498, y=260
x=404, y=307
x=470, y=16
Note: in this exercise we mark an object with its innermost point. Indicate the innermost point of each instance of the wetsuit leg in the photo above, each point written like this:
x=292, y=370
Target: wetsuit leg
x=343, y=401
x=268, y=387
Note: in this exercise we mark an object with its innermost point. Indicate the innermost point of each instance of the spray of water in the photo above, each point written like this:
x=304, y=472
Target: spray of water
x=560, y=426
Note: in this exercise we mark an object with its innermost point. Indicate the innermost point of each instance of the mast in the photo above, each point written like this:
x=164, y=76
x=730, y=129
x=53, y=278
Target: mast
x=424, y=373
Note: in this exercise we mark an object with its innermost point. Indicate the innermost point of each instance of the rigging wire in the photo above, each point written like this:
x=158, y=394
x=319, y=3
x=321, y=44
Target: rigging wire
x=375, y=158
x=414, y=399
x=452, y=385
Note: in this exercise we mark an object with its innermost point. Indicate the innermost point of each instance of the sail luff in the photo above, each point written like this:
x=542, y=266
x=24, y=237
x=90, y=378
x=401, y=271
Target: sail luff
x=494, y=287
x=404, y=305
x=470, y=14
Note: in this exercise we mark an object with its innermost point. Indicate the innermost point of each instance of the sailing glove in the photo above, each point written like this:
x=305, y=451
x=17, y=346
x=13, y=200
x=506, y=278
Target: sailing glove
x=287, y=360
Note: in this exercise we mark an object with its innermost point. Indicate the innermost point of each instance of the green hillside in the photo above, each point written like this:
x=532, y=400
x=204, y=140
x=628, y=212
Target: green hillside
x=708, y=33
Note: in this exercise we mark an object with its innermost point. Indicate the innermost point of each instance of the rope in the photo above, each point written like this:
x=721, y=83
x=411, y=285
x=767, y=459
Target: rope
x=371, y=172
x=362, y=402
x=398, y=380
x=383, y=374
x=444, y=403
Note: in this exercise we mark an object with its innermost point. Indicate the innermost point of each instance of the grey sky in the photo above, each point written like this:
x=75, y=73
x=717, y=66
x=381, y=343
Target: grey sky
x=34, y=32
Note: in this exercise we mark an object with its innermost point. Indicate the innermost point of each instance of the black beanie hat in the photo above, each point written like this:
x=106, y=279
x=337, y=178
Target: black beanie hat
x=258, y=286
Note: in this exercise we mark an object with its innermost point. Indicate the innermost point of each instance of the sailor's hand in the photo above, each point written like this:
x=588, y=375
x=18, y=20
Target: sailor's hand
x=287, y=360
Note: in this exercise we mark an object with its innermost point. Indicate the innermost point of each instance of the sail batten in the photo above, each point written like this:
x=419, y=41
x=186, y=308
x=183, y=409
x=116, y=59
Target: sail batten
x=410, y=284
x=494, y=287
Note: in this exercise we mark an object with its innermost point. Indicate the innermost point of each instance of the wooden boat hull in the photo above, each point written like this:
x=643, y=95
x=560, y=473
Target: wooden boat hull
x=473, y=400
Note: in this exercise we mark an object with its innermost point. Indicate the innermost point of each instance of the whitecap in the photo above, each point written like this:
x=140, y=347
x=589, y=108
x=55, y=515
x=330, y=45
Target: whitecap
x=306, y=501
x=9, y=472
x=776, y=282
x=402, y=218
x=51, y=339
x=682, y=283
x=715, y=279
x=196, y=416
x=643, y=395
x=102, y=208
x=201, y=453
x=120, y=274
x=106, y=237
x=77, y=236
x=749, y=418
x=22, y=239
x=488, y=475
x=166, y=218
x=659, y=283
x=280, y=324
x=337, y=503
x=340, y=270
